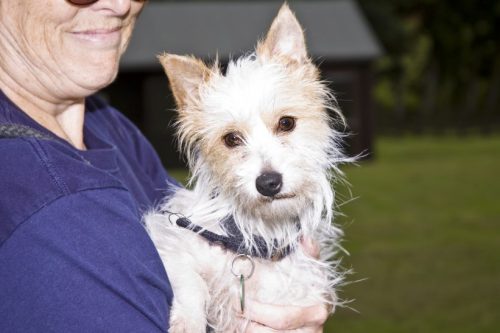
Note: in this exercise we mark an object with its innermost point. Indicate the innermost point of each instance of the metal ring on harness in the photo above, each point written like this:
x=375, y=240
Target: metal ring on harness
x=242, y=277
x=243, y=257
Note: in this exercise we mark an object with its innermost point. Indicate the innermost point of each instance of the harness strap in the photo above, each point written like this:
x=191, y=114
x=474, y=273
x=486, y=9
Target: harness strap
x=235, y=241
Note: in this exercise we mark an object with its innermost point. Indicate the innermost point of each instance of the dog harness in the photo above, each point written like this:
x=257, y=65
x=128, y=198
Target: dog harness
x=235, y=241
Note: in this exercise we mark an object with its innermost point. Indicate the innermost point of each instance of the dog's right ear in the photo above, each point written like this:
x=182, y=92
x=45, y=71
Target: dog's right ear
x=186, y=74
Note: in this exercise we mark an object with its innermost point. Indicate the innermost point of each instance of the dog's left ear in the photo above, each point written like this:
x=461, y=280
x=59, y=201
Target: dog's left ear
x=285, y=38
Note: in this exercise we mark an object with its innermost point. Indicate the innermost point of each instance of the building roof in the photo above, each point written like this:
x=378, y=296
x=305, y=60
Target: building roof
x=335, y=30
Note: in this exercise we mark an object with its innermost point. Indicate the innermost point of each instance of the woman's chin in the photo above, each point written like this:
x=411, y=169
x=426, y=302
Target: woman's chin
x=94, y=78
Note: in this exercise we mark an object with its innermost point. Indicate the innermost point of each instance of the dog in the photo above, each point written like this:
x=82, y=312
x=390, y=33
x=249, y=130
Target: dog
x=263, y=152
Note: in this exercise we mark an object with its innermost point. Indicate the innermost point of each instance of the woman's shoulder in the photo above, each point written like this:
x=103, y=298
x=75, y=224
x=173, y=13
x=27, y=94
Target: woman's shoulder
x=110, y=122
x=35, y=172
x=116, y=128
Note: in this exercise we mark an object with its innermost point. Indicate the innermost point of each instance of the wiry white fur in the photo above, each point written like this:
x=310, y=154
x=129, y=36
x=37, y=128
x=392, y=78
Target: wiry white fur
x=250, y=98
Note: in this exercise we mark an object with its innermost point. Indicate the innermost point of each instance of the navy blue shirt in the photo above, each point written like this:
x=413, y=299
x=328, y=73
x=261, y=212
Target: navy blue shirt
x=74, y=256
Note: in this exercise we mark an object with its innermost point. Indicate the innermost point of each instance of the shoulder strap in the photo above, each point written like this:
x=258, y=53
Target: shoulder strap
x=21, y=131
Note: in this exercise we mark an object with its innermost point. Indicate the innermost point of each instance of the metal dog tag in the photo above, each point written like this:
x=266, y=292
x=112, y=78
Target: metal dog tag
x=239, y=272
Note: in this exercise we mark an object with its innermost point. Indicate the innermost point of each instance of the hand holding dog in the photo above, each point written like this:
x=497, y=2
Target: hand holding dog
x=266, y=318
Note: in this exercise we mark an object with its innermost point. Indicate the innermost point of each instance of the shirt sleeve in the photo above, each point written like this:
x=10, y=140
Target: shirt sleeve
x=83, y=263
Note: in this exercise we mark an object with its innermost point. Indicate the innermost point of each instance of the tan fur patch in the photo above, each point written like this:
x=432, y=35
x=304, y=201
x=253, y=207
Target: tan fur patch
x=186, y=74
x=283, y=27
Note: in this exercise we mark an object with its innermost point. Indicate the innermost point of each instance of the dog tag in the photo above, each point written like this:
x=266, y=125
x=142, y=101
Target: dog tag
x=242, y=293
x=243, y=271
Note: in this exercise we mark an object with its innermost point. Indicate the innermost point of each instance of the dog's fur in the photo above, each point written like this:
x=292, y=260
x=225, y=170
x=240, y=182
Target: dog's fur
x=277, y=80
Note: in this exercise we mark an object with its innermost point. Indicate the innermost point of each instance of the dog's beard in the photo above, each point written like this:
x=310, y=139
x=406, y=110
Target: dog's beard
x=278, y=220
x=279, y=209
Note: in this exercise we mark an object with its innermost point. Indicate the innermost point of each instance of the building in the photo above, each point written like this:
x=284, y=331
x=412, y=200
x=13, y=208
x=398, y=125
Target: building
x=338, y=37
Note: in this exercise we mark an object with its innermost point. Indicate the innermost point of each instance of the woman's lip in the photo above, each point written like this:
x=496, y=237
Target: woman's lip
x=102, y=38
x=97, y=31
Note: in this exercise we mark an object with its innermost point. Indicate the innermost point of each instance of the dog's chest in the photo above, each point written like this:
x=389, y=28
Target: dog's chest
x=292, y=280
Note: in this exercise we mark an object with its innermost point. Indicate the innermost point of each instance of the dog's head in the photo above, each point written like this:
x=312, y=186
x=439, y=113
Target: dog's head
x=259, y=134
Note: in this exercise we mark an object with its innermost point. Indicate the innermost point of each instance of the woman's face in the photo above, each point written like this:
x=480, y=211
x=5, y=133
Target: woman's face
x=72, y=49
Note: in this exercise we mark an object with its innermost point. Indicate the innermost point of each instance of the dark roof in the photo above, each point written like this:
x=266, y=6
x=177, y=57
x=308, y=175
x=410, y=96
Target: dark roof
x=335, y=30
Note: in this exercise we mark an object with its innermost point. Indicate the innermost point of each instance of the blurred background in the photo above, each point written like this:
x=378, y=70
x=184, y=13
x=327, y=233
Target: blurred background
x=419, y=83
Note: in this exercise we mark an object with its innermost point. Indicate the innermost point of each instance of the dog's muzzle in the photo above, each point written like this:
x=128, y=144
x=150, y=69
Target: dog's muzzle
x=269, y=183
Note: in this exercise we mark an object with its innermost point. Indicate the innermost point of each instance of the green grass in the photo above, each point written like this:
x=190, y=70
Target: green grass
x=424, y=234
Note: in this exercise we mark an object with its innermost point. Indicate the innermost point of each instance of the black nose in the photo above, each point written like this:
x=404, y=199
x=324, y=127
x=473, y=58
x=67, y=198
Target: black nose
x=269, y=183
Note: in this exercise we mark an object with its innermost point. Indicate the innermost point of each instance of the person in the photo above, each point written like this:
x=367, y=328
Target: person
x=74, y=256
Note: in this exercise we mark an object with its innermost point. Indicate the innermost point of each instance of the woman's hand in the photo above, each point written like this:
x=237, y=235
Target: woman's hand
x=266, y=318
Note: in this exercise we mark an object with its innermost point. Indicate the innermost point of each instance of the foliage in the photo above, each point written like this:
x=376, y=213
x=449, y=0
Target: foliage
x=442, y=63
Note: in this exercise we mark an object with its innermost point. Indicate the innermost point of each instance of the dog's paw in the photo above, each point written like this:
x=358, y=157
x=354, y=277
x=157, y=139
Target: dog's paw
x=186, y=324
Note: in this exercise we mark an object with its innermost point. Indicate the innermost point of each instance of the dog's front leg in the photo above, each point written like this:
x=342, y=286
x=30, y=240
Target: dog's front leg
x=188, y=313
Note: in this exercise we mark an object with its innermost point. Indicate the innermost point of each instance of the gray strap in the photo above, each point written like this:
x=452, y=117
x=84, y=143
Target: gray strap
x=21, y=131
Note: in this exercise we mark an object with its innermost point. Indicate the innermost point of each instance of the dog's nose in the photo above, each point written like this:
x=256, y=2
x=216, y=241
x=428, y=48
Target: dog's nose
x=269, y=183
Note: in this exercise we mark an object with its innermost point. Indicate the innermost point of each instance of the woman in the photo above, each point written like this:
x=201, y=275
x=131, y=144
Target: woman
x=74, y=256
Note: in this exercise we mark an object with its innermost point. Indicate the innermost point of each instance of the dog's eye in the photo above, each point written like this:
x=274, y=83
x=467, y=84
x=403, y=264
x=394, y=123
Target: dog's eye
x=286, y=124
x=232, y=139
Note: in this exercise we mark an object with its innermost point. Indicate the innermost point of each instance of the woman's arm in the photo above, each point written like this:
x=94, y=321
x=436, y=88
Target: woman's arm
x=83, y=263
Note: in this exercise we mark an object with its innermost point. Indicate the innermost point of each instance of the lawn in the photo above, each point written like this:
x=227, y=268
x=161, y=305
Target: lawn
x=424, y=233
x=424, y=237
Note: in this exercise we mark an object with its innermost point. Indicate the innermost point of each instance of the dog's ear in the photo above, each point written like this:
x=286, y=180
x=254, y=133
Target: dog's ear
x=285, y=38
x=185, y=74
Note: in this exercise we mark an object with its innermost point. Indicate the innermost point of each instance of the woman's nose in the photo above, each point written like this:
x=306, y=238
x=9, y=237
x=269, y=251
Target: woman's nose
x=117, y=7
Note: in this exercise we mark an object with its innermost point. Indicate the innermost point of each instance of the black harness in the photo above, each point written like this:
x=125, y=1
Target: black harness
x=235, y=241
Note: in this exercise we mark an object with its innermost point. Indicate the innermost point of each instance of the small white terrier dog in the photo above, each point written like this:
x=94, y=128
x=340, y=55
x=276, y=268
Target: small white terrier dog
x=262, y=153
